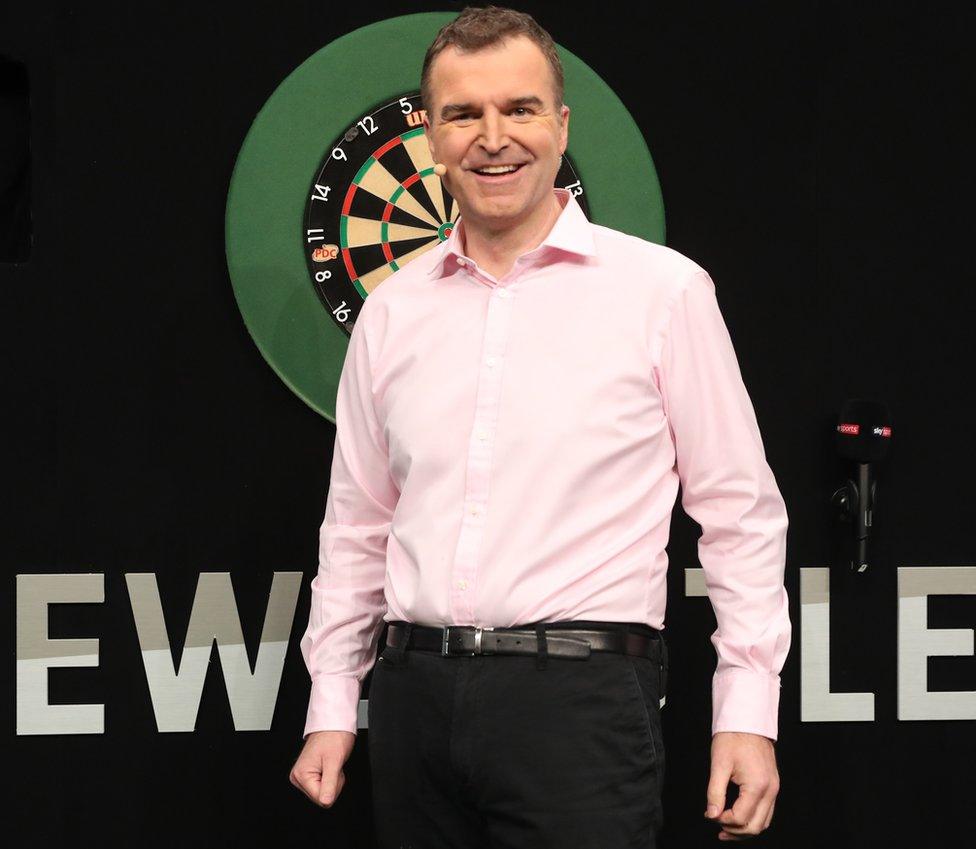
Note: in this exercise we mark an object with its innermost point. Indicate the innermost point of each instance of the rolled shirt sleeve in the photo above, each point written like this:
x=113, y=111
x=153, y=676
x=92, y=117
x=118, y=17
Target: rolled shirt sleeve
x=729, y=489
x=348, y=601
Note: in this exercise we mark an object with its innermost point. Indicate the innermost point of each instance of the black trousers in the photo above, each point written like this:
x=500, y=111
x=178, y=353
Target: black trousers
x=505, y=752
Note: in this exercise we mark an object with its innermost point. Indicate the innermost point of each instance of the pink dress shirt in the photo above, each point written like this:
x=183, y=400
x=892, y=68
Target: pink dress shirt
x=509, y=451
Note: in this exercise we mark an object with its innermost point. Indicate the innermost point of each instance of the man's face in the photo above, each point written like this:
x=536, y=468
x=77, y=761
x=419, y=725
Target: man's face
x=496, y=107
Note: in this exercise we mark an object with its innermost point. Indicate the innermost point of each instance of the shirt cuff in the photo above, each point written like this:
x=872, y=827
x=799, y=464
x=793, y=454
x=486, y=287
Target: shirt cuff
x=745, y=700
x=333, y=704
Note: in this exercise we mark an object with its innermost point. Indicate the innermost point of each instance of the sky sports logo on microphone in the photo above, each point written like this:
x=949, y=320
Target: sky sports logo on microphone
x=855, y=429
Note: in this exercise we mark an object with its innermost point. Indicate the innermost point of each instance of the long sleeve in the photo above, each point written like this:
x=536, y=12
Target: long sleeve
x=346, y=617
x=729, y=489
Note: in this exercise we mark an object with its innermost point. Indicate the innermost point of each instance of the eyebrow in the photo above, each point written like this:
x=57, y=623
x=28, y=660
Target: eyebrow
x=452, y=108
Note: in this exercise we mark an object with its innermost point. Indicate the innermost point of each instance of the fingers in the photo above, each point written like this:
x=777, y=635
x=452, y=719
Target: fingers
x=306, y=780
x=320, y=777
x=747, y=817
x=718, y=784
x=743, y=812
x=749, y=761
x=751, y=813
x=332, y=780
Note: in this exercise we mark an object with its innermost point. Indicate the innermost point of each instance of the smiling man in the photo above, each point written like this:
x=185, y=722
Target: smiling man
x=500, y=144
x=516, y=412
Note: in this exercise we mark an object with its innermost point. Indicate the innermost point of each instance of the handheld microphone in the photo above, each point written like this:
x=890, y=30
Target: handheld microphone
x=864, y=436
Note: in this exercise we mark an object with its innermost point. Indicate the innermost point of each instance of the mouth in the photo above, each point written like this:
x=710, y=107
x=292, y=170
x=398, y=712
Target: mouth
x=495, y=174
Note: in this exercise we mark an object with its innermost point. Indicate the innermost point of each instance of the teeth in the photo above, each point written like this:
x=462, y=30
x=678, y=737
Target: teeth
x=497, y=169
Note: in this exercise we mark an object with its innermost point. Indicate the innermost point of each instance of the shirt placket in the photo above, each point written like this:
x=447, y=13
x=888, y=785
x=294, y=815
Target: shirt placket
x=498, y=321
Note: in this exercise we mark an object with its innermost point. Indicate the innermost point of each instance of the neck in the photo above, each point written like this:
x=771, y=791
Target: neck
x=496, y=250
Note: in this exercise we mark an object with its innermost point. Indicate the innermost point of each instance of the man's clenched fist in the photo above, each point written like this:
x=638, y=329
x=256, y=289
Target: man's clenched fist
x=318, y=770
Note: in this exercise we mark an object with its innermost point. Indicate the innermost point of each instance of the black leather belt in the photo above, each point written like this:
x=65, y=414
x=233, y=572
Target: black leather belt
x=574, y=643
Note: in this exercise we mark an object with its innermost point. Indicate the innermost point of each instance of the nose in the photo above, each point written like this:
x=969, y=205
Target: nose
x=493, y=136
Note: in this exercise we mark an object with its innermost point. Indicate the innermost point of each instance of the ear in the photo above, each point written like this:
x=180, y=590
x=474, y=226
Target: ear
x=427, y=135
x=563, y=128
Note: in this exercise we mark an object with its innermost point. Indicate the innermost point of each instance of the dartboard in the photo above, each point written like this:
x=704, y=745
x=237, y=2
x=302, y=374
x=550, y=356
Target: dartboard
x=375, y=203
x=334, y=190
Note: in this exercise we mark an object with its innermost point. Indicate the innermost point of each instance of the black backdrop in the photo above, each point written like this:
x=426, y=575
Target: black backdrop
x=816, y=159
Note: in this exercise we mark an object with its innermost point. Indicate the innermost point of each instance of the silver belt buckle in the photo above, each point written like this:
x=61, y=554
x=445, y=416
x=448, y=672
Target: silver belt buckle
x=445, y=650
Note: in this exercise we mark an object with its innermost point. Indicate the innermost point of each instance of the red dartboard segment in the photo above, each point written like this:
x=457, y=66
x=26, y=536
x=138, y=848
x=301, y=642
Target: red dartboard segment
x=378, y=153
x=387, y=212
x=346, y=206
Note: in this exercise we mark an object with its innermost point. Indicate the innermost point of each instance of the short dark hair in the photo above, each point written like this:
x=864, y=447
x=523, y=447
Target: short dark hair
x=478, y=27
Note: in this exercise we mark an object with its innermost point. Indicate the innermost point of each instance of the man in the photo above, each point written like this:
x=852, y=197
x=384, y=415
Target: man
x=516, y=410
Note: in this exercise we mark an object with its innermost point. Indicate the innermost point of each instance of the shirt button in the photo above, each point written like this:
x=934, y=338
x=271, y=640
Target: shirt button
x=462, y=585
x=502, y=293
x=490, y=361
x=474, y=510
x=483, y=435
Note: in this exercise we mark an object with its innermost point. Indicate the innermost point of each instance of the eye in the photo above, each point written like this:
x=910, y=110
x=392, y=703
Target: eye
x=522, y=108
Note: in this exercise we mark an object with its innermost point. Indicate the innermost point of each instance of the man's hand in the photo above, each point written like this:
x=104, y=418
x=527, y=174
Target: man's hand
x=750, y=761
x=318, y=770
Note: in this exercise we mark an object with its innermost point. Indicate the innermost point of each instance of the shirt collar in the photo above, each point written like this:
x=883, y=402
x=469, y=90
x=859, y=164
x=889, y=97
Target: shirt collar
x=570, y=233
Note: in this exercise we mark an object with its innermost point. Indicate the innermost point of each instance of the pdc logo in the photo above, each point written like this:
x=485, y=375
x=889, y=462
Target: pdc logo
x=324, y=253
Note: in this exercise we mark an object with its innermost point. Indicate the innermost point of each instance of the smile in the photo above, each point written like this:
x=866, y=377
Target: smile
x=499, y=176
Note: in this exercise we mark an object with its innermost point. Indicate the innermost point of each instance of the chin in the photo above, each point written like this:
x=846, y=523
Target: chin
x=503, y=207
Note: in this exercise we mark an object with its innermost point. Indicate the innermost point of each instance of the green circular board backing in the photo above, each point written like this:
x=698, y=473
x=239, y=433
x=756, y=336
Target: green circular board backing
x=319, y=101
